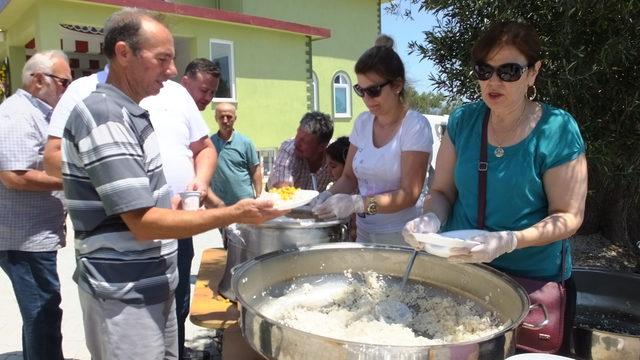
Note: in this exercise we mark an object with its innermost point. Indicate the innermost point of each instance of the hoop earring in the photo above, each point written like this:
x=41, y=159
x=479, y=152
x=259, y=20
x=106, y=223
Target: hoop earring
x=535, y=92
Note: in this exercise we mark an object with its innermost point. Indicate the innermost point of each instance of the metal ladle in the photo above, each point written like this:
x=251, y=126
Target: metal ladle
x=394, y=311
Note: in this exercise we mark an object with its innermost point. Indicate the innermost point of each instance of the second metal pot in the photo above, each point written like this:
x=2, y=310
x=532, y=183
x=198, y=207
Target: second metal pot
x=607, y=325
x=296, y=229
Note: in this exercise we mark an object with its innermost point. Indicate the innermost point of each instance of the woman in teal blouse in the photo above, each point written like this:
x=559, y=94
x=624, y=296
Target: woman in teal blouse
x=536, y=171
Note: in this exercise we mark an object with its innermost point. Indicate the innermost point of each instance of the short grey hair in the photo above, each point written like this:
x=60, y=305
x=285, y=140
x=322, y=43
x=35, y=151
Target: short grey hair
x=318, y=124
x=41, y=62
x=125, y=25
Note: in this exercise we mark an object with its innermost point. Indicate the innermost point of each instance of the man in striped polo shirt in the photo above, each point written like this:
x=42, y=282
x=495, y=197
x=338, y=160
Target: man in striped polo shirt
x=119, y=201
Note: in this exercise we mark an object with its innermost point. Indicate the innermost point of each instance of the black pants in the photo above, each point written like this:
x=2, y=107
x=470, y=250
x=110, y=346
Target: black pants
x=183, y=291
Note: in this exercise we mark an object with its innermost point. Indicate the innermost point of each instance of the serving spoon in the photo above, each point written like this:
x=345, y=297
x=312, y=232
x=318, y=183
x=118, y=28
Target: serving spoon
x=394, y=311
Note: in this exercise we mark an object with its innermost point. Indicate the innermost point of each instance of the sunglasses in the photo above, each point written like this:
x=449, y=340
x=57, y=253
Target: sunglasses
x=64, y=82
x=373, y=90
x=509, y=72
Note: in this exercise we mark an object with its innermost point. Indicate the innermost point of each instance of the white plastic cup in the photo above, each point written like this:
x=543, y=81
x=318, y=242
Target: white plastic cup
x=190, y=200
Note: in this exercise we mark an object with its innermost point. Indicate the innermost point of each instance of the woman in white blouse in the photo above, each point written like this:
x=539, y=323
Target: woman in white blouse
x=388, y=154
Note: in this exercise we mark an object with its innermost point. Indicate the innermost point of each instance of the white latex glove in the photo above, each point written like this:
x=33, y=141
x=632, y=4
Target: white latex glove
x=339, y=206
x=427, y=223
x=322, y=197
x=492, y=245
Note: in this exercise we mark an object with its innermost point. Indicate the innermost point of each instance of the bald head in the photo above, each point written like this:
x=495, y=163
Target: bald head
x=226, y=118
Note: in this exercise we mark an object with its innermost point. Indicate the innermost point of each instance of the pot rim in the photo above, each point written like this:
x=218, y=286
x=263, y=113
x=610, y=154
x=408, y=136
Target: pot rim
x=605, y=332
x=315, y=224
x=344, y=245
x=605, y=271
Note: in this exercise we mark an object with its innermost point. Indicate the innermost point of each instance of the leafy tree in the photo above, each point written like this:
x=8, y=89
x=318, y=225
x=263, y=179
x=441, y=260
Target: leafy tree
x=430, y=103
x=591, y=69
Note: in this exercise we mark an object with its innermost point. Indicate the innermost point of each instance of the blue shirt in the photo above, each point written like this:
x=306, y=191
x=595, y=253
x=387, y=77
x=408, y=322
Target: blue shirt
x=232, y=180
x=515, y=191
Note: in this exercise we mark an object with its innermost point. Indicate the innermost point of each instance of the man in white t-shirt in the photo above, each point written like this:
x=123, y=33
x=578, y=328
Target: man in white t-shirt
x=76, y=92
x=188, y=155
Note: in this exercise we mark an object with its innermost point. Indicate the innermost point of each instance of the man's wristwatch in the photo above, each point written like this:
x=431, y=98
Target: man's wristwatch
x=372, y=206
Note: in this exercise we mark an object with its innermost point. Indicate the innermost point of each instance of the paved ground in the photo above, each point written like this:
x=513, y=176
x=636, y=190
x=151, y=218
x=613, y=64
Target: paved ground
x=73, y=336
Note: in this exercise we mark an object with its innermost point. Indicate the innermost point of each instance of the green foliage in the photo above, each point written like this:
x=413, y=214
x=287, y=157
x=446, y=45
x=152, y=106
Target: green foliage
x=430, y=103
x=591, y=68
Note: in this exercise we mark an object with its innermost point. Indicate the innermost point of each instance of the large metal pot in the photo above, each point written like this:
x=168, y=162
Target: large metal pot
x=265, y=275
x=607, y=324
x=298, y=228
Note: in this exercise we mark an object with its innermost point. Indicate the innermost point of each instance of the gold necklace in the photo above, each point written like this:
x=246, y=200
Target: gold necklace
x=499, y=151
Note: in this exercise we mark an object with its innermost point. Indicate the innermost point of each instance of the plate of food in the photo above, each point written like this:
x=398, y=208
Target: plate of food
x=449, y=243
x=289, y=197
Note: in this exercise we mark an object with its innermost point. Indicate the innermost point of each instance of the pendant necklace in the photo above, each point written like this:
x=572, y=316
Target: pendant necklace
x=499, y=151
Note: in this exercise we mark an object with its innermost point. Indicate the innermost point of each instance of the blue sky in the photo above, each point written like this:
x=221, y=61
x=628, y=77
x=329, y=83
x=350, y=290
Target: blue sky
x=403, y=31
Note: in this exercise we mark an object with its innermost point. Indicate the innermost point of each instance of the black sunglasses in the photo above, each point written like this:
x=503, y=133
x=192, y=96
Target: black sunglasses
x=64, y=82
x=509, y=72
x=373, y=90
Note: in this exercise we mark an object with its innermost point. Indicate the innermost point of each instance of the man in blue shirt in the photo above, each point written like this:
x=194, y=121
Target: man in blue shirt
x=238, y=174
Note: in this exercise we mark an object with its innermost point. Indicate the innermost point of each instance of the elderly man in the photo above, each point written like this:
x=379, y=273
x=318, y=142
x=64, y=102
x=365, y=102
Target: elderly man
x=188, y=156
x=300, y=162
x=238, y=175
x=119, y=201
x=32, y=220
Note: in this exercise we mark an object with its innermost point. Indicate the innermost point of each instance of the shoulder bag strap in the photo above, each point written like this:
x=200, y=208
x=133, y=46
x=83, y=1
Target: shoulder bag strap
x=483, y=166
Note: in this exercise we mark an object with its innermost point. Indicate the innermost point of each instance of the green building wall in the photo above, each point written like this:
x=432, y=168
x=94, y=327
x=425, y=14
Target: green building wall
x=271, y=67
x=354, y=27
x=270, y=76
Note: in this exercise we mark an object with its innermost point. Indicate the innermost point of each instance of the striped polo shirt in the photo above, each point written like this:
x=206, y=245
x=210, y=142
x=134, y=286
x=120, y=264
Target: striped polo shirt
x=111, y=165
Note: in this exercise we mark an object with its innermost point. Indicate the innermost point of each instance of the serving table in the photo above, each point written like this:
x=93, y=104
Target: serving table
x=212, y=311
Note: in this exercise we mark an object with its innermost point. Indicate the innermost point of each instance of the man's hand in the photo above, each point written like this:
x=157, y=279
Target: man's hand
x=176, y=202
x=492, y=245
x=427, y=223
x=339, y=206
x=256, y=211
x=212, y=201
x=197, y=185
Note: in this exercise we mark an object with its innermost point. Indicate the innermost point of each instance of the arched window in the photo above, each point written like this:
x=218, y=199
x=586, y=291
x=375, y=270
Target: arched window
x=314, y=95
x=341, y=96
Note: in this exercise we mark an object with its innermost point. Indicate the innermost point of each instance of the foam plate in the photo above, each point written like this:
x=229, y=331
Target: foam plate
x=301, y=197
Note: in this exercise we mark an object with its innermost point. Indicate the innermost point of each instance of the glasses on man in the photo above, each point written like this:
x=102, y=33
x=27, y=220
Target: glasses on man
x=373, y=90
x=509, y=72
x=64, y=82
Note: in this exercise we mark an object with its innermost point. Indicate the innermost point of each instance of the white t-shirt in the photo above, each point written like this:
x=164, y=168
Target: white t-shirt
x=177, y=123
x=174, y=115
x=379, y=170
x=76, y=92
